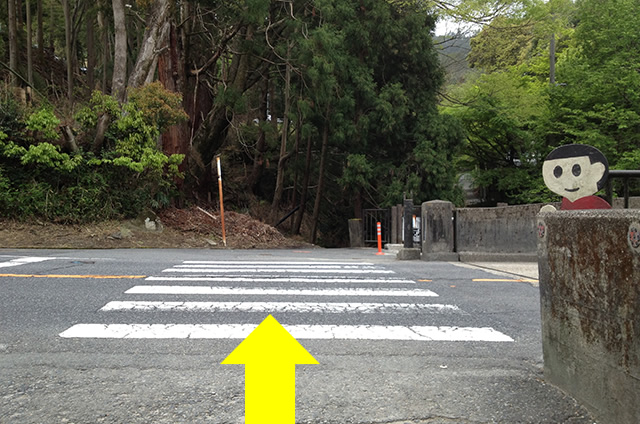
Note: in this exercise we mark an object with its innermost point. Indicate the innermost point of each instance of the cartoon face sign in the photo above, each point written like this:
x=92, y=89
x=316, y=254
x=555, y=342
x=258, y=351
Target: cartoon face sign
x=575, y=171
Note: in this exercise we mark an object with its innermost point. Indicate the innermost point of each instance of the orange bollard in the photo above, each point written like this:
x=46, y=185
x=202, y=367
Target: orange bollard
x=379, y=240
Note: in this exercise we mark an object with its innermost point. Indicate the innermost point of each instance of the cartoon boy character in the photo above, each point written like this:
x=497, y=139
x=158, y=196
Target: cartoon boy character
x=576, y=172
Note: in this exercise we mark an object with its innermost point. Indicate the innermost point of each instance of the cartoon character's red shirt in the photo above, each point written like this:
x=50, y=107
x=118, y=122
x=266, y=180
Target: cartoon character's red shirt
x=589, y=202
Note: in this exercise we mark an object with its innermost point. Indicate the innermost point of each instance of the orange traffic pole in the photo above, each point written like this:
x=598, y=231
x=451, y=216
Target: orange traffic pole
x=379, y=240
x=224, y=237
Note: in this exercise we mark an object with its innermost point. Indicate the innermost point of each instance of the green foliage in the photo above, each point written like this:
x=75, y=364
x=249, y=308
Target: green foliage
x=598, y=99
x=357, y=173
x=513, y=119
x=38, y=179
x=501, y=45
x=45, y=123
x=99, y=104
x=502, y=114
x=47, y=155
x=157, y=105
x=372, y=73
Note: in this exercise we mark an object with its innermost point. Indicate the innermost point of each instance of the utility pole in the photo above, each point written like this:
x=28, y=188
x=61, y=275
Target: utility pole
x=552, y=59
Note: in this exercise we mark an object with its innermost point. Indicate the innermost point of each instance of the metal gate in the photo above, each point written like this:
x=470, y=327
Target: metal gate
x=371, y=218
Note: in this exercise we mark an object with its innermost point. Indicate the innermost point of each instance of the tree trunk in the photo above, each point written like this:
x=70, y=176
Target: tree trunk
x=13, y=42
x=69, y=138
x=119, y=52
x=320, y=189
x=67, y=48
x=51, y=28
x=29, y=47
x=171, y=74
x=40, y=33
x=105, y=50
x=91, y=52
x=212, y=134
x=119, y=70
x=284, y=156
x=157, y=30
x=304, y=190
x=552, y=60
x=76, y=23
x=261, y=145
x=293, y=199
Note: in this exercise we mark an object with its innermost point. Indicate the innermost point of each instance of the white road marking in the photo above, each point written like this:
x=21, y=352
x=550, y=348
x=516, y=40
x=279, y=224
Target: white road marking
x=274, y=307
x=279, y=270
x=253, y=263
x=270, y=266
x=267, y=279
x=209, y=290
x=331, y=332
x=23, y=261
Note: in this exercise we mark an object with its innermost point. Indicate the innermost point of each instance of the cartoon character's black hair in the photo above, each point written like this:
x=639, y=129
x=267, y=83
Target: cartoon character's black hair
x=579, y=150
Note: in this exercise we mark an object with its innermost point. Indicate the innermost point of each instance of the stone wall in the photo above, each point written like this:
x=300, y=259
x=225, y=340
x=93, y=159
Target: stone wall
x=484, y=234
x=504, y=230
x=589, y=267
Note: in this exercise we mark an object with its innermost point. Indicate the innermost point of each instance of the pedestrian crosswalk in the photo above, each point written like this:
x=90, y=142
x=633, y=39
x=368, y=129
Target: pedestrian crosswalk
x=352, y=292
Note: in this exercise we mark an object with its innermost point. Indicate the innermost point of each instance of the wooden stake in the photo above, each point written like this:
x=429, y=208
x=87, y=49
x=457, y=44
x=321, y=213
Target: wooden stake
x=224, y=237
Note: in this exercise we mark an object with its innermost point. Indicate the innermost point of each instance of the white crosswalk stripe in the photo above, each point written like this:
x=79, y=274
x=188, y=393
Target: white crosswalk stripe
x=324, y=332
x=23, y=261
x=229, y=283
x=278, y=291
x=272, y=307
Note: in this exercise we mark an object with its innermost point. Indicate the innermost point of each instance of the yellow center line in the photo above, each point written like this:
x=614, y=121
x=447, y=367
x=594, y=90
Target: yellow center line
x=73, y=276
x=425, y=281
x=521, y=280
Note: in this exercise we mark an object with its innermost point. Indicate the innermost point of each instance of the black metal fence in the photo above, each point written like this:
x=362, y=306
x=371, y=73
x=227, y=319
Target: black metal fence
x=371, y=219
x=625, y=175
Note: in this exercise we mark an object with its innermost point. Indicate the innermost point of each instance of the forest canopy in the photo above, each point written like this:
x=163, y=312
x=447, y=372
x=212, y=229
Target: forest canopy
x=321, y=107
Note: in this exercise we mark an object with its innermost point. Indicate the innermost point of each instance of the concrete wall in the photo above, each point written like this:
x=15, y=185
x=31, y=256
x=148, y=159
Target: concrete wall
x=634, y=203
x=508, y=231
x=590, y=304
x=485, y=234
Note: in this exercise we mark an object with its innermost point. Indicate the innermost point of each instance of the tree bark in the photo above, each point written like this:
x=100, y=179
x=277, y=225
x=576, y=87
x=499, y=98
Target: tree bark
x=40, y=32
x=552, y=60
x=212, y=134
x=261, y=144
x=13, y=42
x=119, y=70
x=155, y=34
x=171, y=74
x=91, y=52
x=69, y=138
x=120, y=51
x=320, y=189
x=284, y=156
x=67, y=48
x=29, y=51
x=304, y=189
x=105, y=50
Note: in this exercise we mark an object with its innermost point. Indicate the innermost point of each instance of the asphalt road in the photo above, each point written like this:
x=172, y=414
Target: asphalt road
x=137, y=336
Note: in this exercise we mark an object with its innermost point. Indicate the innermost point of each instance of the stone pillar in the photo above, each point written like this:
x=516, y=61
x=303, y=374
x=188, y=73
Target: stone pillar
x=408, y=252
x=395, y=217
x=589, y=266
x=356, y=235
x=438, y=234
x=407, y=229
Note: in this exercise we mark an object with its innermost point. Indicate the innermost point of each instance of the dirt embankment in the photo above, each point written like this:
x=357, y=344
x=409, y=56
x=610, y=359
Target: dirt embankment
x=171, y=228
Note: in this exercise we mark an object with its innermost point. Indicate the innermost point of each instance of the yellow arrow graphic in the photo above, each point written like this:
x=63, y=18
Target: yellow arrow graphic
x=270, y=355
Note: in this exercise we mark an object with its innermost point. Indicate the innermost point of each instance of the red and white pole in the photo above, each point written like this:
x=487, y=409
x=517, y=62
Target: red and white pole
x=379, y=240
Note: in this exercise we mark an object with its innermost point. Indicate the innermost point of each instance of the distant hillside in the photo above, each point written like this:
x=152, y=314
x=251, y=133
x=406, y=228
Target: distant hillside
x=453, y=51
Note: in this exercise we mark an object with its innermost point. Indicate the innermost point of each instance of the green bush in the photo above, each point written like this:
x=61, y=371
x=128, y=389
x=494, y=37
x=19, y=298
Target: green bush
x=39, y=179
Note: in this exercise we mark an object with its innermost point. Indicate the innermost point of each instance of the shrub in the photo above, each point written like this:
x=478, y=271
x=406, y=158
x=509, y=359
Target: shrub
x=39, y=179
